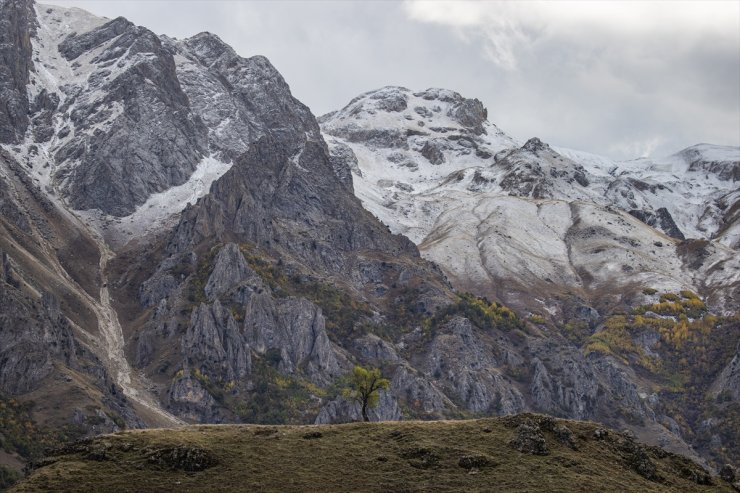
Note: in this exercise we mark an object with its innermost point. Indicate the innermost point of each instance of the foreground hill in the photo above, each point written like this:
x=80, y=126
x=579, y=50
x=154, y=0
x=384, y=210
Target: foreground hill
x=516, y=453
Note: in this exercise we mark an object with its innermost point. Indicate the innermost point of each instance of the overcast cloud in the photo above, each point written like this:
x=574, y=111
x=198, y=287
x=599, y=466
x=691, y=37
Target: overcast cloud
x=623, y=79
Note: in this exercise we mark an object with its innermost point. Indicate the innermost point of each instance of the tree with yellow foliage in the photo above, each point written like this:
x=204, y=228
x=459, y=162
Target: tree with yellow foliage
x=364, y=385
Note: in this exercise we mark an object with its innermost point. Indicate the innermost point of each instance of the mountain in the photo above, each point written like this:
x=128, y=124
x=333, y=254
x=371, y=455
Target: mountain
x=184, y=242
x=508, y=220
x=582, y=245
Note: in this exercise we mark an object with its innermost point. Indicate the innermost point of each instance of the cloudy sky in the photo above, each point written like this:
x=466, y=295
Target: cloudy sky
x=622, y=79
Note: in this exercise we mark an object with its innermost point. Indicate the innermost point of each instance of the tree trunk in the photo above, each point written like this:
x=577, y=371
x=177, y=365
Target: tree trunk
x=364, y=411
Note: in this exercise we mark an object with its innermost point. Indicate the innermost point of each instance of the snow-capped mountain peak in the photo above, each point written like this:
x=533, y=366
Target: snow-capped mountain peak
x=431, y=166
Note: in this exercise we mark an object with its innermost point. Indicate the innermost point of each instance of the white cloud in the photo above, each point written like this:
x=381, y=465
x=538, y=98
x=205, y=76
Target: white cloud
x=627, y=78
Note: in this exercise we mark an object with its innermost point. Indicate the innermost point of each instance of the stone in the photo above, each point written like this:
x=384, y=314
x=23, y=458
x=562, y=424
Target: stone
x=637, y=459
x=17, y=25
x=153, y=141
x=600, y=433
x=344, y=162
x=474, y=461
x=727, y=473
x=565, y=436
x=433, y=151
x=189, y=458
x=463, y=362
x=230, y=271
x=214, y=344
x=529, y=439
x=295, y=328
x=660, y=219
x=470, y=113
x=187, y=398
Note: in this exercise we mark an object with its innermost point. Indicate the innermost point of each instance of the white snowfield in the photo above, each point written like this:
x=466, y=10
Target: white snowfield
x=160, y=209
x=534, y=220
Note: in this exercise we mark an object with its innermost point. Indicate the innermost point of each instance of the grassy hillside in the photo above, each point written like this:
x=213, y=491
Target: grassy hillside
x=516, y=453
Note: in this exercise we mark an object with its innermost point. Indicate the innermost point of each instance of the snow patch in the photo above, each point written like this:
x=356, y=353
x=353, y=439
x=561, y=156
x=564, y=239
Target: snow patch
x=160, y=209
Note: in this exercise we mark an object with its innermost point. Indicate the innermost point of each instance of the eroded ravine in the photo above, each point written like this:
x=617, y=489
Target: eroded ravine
x=113, y=341
x=110, y=341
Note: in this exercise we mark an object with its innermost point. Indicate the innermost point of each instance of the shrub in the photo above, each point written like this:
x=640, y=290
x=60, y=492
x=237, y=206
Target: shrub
x=479, y=311
x=8, y=477
x=669, y=297
x=537, y=319
x=689, y=295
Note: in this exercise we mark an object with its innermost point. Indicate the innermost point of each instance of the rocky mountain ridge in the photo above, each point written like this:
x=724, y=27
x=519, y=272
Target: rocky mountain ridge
x=234, y=276
x=536, y=216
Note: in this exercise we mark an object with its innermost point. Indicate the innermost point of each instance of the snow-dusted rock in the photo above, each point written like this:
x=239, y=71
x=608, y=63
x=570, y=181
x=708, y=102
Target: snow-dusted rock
x=504, y=219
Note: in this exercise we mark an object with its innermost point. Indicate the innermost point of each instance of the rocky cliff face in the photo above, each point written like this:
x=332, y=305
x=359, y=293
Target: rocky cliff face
x=49, y=334
x=17, y=25
x=251, y=271
x=131, y=88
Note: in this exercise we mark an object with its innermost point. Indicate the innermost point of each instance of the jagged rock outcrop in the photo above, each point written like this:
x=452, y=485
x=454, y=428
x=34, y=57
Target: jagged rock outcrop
x=529, y=439
x=727, y=383
x=465, y=365
x=573, y=393
x=141, y=97
x=230, y=271
x=17, y=25
x=240, y=99
x=374, y=350
x=660, y=219
x=295, y=328
x=536, y=170
x=188, y=398
x=32, y=337
x=214, y=337
x=433, y=151
x=344, y=162
x=422, y=396
x=713, y=163
x=292, y=203
x=11, y=210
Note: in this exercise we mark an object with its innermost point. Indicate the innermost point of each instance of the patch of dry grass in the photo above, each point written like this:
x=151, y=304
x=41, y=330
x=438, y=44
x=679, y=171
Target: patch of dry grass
x=470, y=456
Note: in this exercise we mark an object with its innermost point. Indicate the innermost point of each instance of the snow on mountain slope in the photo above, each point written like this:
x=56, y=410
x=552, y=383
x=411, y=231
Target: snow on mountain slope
x=160, y=209
x=699, y=189
x=507, y=220
x=515, y=248
x=127, y=128
x=96, y=83
x=406, y=144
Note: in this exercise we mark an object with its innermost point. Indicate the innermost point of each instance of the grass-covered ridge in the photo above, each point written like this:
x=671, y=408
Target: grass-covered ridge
x=490, y=454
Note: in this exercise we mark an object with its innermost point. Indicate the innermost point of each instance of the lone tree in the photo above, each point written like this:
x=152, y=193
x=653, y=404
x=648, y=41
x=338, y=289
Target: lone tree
x=364, y=384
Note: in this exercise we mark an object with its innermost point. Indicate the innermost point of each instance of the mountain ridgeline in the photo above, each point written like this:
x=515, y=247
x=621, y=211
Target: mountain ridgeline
x=184, y=242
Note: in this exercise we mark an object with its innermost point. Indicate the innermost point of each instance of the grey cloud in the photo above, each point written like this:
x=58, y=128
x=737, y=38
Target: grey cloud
x=603, y=92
